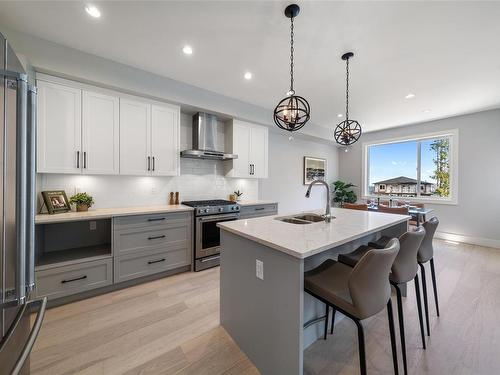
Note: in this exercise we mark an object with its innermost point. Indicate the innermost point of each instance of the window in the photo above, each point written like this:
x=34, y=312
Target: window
x=418, y=168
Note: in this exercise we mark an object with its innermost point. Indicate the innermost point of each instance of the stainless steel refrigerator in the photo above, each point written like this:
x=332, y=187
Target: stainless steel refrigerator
x=17, y=211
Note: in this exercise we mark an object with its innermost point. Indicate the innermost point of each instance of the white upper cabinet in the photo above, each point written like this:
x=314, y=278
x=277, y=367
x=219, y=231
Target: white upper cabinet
x=165, y=143
x=90, y=130
x=59, y=128
x=135, y=138
x=100, y=134
x=250, y=143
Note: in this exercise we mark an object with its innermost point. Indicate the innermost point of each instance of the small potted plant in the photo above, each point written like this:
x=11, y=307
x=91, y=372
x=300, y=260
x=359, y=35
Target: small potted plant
x=82, y=201
x=238, y=195
x=343, y=193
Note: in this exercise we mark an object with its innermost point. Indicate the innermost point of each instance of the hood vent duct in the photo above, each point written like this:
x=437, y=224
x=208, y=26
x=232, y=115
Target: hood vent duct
x=205, y=139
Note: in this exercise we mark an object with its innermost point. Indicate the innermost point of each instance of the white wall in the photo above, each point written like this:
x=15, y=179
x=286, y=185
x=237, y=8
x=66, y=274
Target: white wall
x=199, y=179
x=286, y=168
x=476, y=217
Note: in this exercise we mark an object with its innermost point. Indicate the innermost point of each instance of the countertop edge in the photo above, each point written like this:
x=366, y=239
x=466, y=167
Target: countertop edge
x=255, y=203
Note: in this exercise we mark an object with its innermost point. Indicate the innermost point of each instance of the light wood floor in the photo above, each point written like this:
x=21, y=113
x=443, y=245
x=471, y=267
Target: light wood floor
x=171, y=326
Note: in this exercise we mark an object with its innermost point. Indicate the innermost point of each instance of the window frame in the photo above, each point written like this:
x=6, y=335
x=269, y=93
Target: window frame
x=452, y=134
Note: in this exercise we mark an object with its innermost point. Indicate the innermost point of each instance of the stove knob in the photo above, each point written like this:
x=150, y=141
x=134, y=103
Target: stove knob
x=221, y=209
x=206, y=210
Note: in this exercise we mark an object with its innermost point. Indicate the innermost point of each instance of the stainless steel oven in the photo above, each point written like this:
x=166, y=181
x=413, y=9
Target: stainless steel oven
x=207, y=215
x=207, y=239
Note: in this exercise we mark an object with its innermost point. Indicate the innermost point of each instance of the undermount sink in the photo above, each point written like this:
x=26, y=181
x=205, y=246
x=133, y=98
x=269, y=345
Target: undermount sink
x=310, y=217
x=302, y=219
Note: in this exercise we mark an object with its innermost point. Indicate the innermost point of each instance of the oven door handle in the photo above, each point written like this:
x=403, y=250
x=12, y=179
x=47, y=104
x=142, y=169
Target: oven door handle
x=204, y=260
x=218, y=217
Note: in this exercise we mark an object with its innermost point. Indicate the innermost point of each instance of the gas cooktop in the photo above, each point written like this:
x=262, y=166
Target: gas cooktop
x=213, y=207
x=208, y=203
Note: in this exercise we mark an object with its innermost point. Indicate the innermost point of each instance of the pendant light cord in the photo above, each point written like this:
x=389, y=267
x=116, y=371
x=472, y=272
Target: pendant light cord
x=347, y=90
x=291, y=56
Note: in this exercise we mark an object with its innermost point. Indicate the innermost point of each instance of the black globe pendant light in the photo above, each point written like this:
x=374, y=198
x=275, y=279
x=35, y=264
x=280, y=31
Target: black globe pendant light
x=348, y=131
x=292, y=112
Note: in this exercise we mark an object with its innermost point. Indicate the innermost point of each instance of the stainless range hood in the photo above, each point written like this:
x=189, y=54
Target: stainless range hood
x=205, y=139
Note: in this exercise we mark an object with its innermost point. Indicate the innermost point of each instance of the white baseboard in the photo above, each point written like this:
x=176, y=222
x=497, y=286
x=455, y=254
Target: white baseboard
x=487, y=242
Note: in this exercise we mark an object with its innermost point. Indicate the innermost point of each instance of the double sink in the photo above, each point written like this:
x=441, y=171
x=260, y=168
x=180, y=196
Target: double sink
x=308, y=218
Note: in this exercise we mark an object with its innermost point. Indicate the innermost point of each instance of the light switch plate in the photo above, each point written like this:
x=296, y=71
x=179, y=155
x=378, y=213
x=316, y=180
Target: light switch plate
x=259, y=269
x=92, y=225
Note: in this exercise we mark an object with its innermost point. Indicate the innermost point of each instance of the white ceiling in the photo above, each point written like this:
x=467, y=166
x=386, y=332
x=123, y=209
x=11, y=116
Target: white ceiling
x=446, y=53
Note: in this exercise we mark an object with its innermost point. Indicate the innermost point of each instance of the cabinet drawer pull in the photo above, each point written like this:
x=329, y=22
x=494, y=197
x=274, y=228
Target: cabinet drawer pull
x=154, y=164
x=149, y=163
x=156, y=261
x=156, y=237
x=259, y=209
x=75, y=279
x=78, y=159
x=85, y=159
x=157, y=219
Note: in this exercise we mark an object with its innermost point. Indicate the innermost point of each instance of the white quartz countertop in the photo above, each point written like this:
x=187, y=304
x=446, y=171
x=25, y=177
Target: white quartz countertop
x=304, y=240
x=254, y=202
x=104, y=213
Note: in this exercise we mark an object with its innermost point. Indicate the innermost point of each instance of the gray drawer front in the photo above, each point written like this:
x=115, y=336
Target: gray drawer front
x=132, y=241
x=150, y=221
x=67, y=280
x=136, y=265
x=247, y=212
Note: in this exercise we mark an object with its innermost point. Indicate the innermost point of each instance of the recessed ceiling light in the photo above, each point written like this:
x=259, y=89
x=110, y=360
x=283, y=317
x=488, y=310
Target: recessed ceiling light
x=93, y=11
x=188, y=50
x=410, y=96
x=248, y=75
x=426, y=110
x=340, y=115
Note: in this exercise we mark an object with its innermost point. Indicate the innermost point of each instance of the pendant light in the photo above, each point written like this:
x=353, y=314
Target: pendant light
x=292, y=112
x=348, y=131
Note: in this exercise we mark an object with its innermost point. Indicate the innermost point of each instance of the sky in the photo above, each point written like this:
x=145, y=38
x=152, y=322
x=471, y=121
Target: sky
x=400, y=159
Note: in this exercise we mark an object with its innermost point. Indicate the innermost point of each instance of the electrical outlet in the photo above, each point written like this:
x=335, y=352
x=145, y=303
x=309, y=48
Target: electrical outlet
x=259, y=269
x=92, y=225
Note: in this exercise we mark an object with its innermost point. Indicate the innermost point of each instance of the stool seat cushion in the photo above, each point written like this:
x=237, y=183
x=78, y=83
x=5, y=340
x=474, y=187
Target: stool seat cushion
x=330, y=282
x=380, y=243
x=351, y=259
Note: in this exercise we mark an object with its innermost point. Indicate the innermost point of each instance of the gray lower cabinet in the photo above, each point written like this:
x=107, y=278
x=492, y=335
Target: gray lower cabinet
x=148, y=244
x=76, y=278
x=248, y=212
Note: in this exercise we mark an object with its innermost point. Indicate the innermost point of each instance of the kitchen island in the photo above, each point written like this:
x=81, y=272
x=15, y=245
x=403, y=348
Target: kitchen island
x=263, y=305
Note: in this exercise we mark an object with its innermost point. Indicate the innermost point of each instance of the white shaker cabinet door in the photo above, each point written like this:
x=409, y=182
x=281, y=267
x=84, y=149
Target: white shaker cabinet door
x=259, y=151
x=165, y=144
x=241, y=147
x=101, y=134
x=59, y=127
x=135, y=130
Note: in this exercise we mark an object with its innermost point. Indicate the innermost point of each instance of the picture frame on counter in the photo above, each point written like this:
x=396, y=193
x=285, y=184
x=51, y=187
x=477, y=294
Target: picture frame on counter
x=314, y=169
x=56, y=201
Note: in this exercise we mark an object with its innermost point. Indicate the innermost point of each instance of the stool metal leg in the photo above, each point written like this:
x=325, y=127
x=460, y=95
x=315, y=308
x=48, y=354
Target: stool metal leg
x=426, y=303
x=327, y=312
x=361, y=344
x=419, y=306
x=401, y=327
x=434, y=285
x=333, y=320
x=393, y=337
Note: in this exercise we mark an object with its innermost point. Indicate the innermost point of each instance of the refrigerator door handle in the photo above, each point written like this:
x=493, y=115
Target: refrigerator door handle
x=31, y=190
x=21, y=188
x=42, y=303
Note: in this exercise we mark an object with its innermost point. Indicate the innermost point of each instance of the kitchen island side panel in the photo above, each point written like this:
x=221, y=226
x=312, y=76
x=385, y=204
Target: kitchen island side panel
x=264, y=317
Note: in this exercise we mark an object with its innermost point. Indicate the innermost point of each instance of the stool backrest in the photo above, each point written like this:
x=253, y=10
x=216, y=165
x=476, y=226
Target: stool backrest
x=426, y=251
x=405, y=265
x=369, y=280
x=393, y=210
x=353, y=206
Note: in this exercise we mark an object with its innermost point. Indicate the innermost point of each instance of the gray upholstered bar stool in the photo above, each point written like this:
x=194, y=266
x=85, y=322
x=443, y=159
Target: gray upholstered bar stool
x=358, y=292
x=404, y=269
x=426, y=254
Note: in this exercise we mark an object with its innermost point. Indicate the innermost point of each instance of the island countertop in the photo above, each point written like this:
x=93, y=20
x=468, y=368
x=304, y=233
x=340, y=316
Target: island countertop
x=305, y=240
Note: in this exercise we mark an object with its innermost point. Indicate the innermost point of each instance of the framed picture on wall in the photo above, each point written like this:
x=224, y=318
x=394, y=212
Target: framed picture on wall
x=56, y=201
x=314, y=169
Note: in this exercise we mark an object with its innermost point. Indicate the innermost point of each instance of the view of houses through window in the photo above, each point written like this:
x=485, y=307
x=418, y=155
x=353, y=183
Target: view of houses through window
x=413, y=168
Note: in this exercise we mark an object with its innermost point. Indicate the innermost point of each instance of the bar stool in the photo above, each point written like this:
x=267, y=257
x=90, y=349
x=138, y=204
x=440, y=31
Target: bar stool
x=358, y=292
x=426, y=254
x=404, y=269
